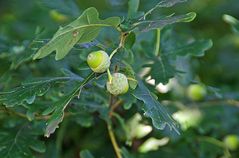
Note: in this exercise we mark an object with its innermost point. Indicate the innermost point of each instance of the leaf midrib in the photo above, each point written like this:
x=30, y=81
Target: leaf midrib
x=15, y=140
x=79, y=27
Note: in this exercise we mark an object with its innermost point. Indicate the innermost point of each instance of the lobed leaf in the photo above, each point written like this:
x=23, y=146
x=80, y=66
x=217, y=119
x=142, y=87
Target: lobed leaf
x=161, y=70
x=84, y=29
x=58, y=113
x=196, y=48
x=147, y=25
x=20, y=142
x=28, y=91
x=162, y=4
x=85, y=106
x=138, y=19
x=154, y=109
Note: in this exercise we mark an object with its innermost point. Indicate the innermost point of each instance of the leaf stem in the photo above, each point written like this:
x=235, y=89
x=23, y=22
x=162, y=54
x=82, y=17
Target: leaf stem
x=157, y=44
x=114, y=51
x=121, y=44
x=109, y=75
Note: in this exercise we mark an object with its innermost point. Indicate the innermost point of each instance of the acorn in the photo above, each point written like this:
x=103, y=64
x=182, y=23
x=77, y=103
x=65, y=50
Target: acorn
x=196, y=92
x=118, y=85
x=98, y=61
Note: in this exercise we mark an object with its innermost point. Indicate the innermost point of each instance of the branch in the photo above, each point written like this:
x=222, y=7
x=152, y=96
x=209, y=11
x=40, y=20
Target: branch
x=114, y=106
x=113, y=140
x=110, y=129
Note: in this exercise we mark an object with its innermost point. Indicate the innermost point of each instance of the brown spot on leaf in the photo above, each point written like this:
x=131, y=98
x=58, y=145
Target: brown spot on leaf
x=75, y=33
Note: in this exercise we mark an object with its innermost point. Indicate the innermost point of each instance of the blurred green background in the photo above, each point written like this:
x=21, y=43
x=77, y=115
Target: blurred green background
x=210, y=128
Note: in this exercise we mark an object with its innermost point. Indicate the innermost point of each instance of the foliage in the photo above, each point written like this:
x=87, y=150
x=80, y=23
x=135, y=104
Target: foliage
x=17, y=143
x=53, y=105
x=82, y=30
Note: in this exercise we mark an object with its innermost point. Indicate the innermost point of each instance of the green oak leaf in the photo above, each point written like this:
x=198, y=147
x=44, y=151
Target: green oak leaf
x=84, y=29
x=20, y=142
x=138, y=18
x=162, y=4
x=161, y=70
x=153, y=109
x=27, y=92
x=85, y=107
x=147, y=25
x=196, y=48
x=58, y=111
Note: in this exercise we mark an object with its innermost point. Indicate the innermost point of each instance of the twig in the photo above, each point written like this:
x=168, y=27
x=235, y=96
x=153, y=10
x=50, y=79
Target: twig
x=110, y=129
x=113, y=140
x=114, y=106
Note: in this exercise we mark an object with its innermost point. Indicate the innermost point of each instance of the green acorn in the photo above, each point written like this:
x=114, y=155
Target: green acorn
x=118, y=85
x=231, y=141
x=196, y=92
x=98, y=61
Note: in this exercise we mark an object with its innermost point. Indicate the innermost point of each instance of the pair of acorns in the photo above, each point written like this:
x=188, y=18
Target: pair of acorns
x=99, y=62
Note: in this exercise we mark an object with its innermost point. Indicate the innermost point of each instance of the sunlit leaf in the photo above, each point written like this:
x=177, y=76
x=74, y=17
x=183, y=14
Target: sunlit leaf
x=84, y=29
